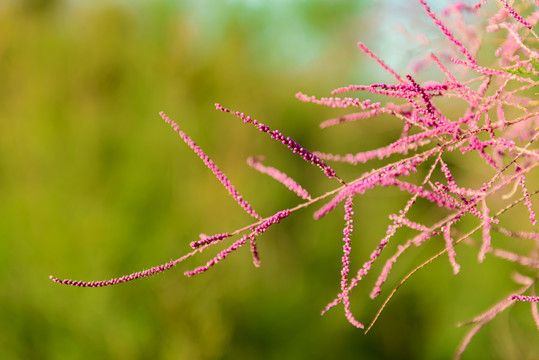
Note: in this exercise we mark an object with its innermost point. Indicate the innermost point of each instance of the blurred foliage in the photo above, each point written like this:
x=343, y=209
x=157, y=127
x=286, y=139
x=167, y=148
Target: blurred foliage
x=94, y=185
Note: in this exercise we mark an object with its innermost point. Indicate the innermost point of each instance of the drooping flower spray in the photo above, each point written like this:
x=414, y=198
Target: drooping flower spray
x=496, y=130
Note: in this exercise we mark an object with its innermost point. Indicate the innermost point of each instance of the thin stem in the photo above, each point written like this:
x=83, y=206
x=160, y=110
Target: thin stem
x=438, y=255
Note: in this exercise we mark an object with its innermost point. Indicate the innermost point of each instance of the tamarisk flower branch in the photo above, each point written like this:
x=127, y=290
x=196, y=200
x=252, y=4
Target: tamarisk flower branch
x=287, y=141
x=209, y=163
x=525, y=298
x=490, y=129
x=291, y=184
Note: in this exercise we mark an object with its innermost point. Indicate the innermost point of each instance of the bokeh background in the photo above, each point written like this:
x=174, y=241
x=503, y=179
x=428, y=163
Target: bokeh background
x=94, y=185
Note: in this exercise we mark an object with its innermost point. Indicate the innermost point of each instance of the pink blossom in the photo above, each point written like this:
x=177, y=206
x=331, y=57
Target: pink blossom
x=205, y=240
x=287, y=141
x=448, y=33
x=486, y=233
x=514, y=14
x=450, y=249
x=528, y=201
x=281, y=177
x=274, y=219
x=367, y=51
x=525, y=298
x=211, y=165
x=338, y=102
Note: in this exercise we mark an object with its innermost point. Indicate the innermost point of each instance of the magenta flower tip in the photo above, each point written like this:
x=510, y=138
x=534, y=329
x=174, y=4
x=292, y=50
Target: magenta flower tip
x=525, y=298
x=286, y=141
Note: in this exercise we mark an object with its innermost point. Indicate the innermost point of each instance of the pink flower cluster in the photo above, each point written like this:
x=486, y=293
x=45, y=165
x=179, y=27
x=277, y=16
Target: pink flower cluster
x=210, y=164
x=287, y=141
x=490, y=129
x=274, y=219
x=281, y=177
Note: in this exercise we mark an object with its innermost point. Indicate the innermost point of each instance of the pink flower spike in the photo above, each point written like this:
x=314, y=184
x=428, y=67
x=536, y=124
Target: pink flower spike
x=348, y=313
x=525, y=298
x=347, y=248
x=362, y=272
x=408, y=223
x=379, y=153
x=457, y=8
x=254, y=251
x=205, y=240
x=382, y=278
x=535, y=311
x=347, y=244
x=450, y=249
x=144, y=273
x=449, y=75
x=357, y=188
x=485, y=247
x=514, y=14
x=421, y=91
x=287, y=141
x=414, y=189
x=210, y=164
x=448, y=33
x=290, y=183
x=528, y=201
x=516, y=258
x=479, y=4
x=338, y=102
x=221, y=256
x=352, y=117
x=367, y=51
x=274, y=219
x=501, y=116
x=386, y=176
x=483, y=319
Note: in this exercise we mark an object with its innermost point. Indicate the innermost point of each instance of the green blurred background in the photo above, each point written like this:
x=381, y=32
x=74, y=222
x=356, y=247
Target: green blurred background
x=94, y=185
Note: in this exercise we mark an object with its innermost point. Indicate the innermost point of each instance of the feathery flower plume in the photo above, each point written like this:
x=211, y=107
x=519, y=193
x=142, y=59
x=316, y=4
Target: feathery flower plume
x=389, y=108
x=369, y=181
x=125, y=278
x=281, y=177
x=380, y=153
x=254, y=251
x=347, y=248
x=448, y=33
x=384, y=274
x=485, y=247
x=210, y=164
x=347, y=244
x=479, y=4
x=525, y=298
x=528, y=202
x=484, y=318
x=492, y=115
x=517, y=234
x=511, y=256
x=352, y=117
x=535, y=311
x=205, y=240
x=287, y=141
x=456, y=8
x=338, y=102
x=534, y=308
x=408, y=223
x=274, y=219
x=450, y=249
x=514, y=14
x=367, y=51
x=426, y=98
